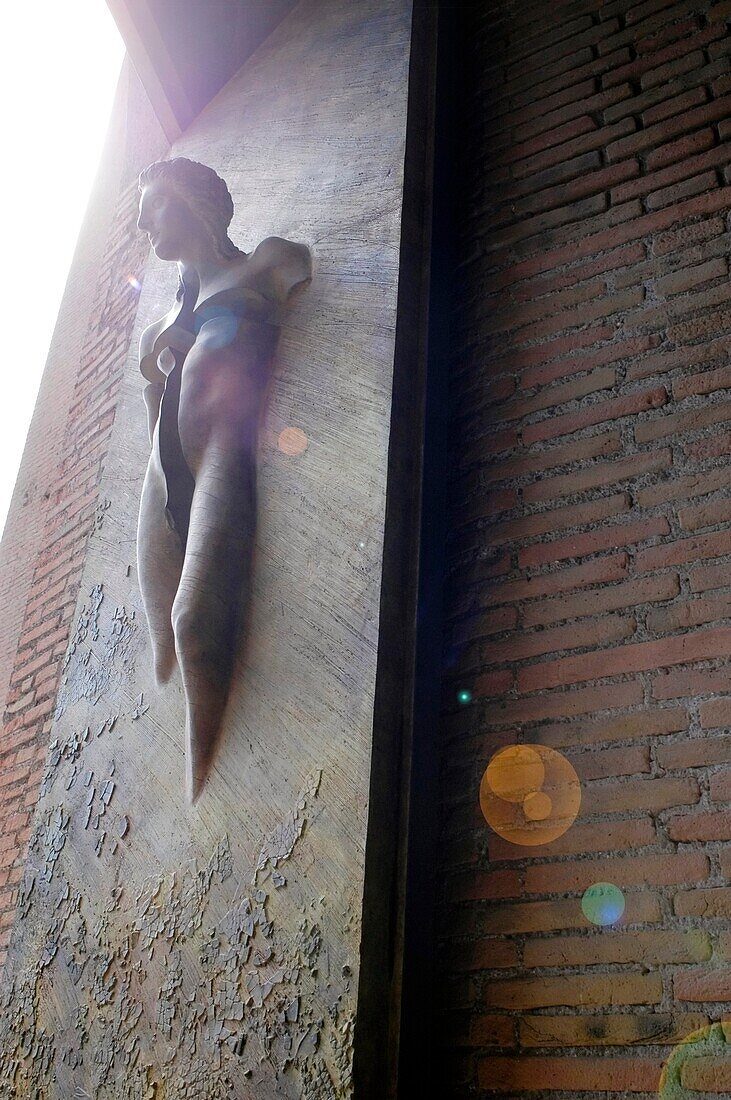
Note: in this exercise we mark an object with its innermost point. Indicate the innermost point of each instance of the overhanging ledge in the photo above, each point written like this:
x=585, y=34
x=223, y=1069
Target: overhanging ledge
x=184, y=51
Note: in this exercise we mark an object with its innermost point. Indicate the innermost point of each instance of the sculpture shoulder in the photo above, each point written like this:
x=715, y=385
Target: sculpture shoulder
x=284, y=264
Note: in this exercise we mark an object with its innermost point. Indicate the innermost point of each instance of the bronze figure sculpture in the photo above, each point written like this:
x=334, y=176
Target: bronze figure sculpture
x=207, y=365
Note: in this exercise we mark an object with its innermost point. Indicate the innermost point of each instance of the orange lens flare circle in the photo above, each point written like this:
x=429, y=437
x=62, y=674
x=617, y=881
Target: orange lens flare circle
x=292, y=441
x=530, y=794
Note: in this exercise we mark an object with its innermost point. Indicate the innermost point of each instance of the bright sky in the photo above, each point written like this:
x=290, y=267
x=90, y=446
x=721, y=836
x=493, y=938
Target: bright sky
x=58, y=71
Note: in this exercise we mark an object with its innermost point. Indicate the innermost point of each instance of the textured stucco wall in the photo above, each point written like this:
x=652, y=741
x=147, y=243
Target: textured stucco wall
x=213, y=951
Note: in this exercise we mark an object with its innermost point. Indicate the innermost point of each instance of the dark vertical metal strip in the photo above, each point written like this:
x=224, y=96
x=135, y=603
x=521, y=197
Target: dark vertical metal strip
x=420, y=1070
x=379, y=1018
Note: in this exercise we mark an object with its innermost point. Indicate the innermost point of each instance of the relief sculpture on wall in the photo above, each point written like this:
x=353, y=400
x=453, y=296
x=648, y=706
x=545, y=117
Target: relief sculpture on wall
x=207, y=364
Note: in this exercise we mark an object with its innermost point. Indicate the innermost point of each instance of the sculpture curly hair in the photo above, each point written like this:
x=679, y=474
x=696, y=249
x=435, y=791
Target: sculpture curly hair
x=204, y=191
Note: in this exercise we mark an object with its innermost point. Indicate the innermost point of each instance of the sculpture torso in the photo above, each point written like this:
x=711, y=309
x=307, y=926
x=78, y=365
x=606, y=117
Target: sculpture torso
x=212, y=355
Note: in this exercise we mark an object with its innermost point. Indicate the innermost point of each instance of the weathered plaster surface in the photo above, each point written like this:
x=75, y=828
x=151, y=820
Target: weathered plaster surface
x=168, y=951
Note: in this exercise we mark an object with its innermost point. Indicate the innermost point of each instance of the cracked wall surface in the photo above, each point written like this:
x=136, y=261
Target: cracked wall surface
x=166, y=951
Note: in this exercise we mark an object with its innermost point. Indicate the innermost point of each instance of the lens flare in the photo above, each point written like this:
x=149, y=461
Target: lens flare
x=529, y=794
x=134, y=283
x=603, y=903
x=464, y=696
x=700, y=1064
x=292, y=441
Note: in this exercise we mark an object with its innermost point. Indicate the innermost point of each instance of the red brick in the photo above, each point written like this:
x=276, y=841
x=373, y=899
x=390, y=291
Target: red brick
x=550, y=457
x=688, y=277
x=475, y=885
x=600, y=571
x=548, y=916
x=638, y=228
x=610, y=763
x=682, y=682
x=709, y=576
x=597, y=139
x=684, y=357
x=601, y=538
x=722, y=85
x=688, y=613
x=535, y=109
x=635, y=657
x=681, y=488
x=683, y=550
x=681, y=123
x=564, y=132
x=596, y=413
x=560, y=394
x=565, y=704
x=655, y=869
x=551, y=198
x=648, y=794
x=546, y=88
x=575, y=636
x=559, y=519
x=505, y=314
x=716, y=714
x=489, y=1031
x=683, y=64
x=630, y=594
x=580, y=989
x=493, y=683
x=695, y=185
x=705, y=382
x=571, y=110
x=701, y=449
x=627, y=1030
x=487, y=504
x=522, y=358
x=610, y=261
x=685, y=828
x=670, y=33
x=667, y=108
x=702, y=985
x=578, y=1074
x=607, y=836
x=713, y=903
x=647, y=948
x=676, y=239
x=661, y=181
x=712, y=1073
x=576, y=362
x=720, y=785
x=698, y=752
x=605, y=473
x=488, y=622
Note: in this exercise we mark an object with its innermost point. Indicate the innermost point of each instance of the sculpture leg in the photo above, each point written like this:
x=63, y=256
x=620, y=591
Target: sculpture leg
x=159, y=566
x=207, y=608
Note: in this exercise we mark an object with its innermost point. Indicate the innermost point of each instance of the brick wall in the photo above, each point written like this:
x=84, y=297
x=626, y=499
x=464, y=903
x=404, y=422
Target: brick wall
x=71, y=503
x=589, y=592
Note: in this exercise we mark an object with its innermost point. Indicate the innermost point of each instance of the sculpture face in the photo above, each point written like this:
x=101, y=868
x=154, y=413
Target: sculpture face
x=170, y=223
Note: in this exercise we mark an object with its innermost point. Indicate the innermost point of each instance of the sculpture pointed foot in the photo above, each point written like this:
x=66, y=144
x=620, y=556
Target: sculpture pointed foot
x=201, y=738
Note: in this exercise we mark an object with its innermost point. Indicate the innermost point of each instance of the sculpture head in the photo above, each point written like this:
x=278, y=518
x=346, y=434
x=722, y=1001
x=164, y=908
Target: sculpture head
x=185, y=209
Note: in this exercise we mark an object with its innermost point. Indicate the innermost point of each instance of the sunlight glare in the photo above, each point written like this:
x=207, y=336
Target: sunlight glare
x=60, y=67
